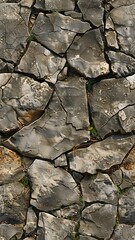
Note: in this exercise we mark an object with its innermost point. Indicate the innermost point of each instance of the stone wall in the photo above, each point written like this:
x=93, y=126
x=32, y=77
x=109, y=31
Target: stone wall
x=67, y=119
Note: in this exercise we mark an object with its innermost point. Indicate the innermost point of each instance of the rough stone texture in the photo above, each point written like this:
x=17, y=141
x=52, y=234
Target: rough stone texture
x=99, y=188
x=86, y=55
x=101, y=155
x=52, y=188
x=49, y=136
x=54, y=228
x=8, y=231
x=13, y=31
x=41, y=62
x=118, y=3
x=109, y=98
x=70, y=212
x=56, y=31
x=55, y=5
x=123, y=231
x=31, y=222
x=92, y=11
x=98, y=220
x=86, y=238
x=61, y=161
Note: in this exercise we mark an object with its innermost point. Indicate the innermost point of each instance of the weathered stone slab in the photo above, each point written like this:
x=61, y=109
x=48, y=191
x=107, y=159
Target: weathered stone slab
x=127, y=118
x=101, y=155
x=70, y=212
x=121, y=64
x=8, y=231
x=50, y=136
x=86, y=238
x=127, y=207
x=118, y=3
x=123, y=231
x=55, y=5
x=61, y=161
x=31, y=222
x=52, y=187
x=98, y=220
x=41, y=62
x=13, y=31
x=92, y=11
x=11, y=168
x=99, y=188
x=109, y=98
x=56, y=31
x=86, y=55
x=72, y=93
x=8, y=118
x=50, y=227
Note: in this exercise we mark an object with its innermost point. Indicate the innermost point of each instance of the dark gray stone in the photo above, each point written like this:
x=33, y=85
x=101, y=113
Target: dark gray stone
x=101, y=155
x=8, y=231
x=98, y=220
x=55, y=5
x=123, y=231
x=52, y=187
x=92, y=11
x=56, y=31
x=74, y=14
x=86, y=238
x=41, y=62
x=86, y=55
x=99, y=188
x=118, y=3
x=31, y=222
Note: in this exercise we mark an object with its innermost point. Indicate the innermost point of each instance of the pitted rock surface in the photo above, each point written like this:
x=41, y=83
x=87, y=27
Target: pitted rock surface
x=67, y=120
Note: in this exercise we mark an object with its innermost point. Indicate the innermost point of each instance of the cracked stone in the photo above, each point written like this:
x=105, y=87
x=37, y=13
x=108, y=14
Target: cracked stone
x=5, y=66
x=24, y=99
x=70, y=212
x=41, y=62
x=98, y=220
x=107, y=99
x=92, y=11
x=86, y=55
x=111, y=39
x=99, y=188
x=86, y=238
x=127, y=207
x=72, y=93
x=14, y=201
x=121, y=64
x=55, y=5
x=101, y=155
x=49, y=136
x=52, y=187
x=124, y=20
x=50, y=227
x=8, y=231
x=127, y=118
x=124, y=231
x=11, y=168
x=13, y=31
x=56, y=31
x=74, y=14
x=26, y=3
x=61, y=161
x=31, y=222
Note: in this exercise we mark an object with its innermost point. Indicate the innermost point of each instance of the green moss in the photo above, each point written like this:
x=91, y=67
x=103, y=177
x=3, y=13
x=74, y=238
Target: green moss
x=89, y=85
x=93, y=132
x=25, y=181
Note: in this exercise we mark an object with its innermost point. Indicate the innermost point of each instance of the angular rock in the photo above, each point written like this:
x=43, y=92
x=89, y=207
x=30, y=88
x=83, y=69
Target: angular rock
x=127, y=207
x=99, y=188
x=70, y=212
x=100, y=155
x=14, y=32
x=86, y=238
x=118, y=3
x=14, y=201
x=111, y=38
x=31, y=222
x=50, y=227
x=61, y=161
x=55, y=5
x=26, y=3
x=124, y=20
x=41, y=62
x=5, y=66
x=123, y=231
x=56, y=31
x=127, y=118
x=48, y=137
x=107, y=99
x=98, y=220
x=86, y=55
x=92, y=11
x=52, y=187
x=72, y=93
x=25, y=97
x=74, y=14
x=8, y=118
x=11, y=168
x=121, y=64
x=8, y=231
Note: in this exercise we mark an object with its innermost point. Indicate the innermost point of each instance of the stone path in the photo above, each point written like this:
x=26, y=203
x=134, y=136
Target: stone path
x=67, y=120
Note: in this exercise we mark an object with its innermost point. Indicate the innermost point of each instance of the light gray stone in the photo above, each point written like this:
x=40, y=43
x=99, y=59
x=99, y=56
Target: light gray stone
x=61, y=161
x=8, y=231
x=8, y=118
x=50, y=136
x=52, y=228
x=99, y=188
x=100, y=155
x=74, y=14
x=118, y=3
x=92, y=11
x=127, y=118
x=55, y=5
x=72, y=93
x=86, y=55
x=111, y=38
x=124, y=231
x=31, y=222
x=26, y=3
x=41, y=62
x=98, y=220
x=109, y=98
x=70, y=212
x=52, y=187
x=86, y=238
x=13, y=31
x=56, y=31
x=127, y=207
